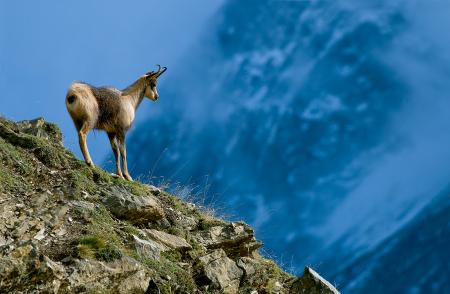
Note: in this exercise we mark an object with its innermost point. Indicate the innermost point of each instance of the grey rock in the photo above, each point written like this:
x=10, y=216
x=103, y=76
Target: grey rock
x=16, y=262
x=277, y=287
x=248, y=265
x=312, y=283
x=136, y=209
x=220, y=271
x=236, y=238
x=40, y=235
x=40, y=128
x=171, y=241
x=123, y=276
x=146, y=248
x=134, y=283
x=82, y=204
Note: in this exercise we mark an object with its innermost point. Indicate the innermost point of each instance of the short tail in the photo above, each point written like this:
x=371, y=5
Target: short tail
x=71, y=99
x=78, y=101
x=73, y=102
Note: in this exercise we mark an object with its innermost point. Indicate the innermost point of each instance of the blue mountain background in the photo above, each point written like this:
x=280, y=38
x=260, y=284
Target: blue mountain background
x=325, y=125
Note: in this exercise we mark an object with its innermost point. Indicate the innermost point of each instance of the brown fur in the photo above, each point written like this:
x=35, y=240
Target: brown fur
x=111, y=110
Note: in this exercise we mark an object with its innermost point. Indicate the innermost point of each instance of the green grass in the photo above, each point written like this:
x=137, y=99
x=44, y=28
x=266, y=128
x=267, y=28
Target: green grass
x=15, y=164
x=172, y=276
x=100, y=240
x=207, y=222
x=98, y=248
x=172, y=255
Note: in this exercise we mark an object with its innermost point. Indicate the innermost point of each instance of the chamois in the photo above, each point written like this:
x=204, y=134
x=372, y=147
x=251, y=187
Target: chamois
x=111, y=110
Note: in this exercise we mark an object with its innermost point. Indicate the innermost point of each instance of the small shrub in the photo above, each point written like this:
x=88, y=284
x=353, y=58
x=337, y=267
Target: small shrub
x=108, y=254
x=92, y=242
x=172, y=255
x=95, y=247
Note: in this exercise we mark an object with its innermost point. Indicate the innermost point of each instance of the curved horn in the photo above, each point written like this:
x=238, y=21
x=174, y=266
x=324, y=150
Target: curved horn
x=160, y=70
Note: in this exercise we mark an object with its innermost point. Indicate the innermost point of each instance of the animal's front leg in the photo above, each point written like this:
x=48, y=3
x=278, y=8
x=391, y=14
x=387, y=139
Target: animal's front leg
x=123, y=152
x=82, y=135
x=115, y=148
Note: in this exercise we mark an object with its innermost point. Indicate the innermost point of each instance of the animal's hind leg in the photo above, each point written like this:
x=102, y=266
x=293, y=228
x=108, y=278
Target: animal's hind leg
x=82, y=135
x=115, y=148
x=123, y=152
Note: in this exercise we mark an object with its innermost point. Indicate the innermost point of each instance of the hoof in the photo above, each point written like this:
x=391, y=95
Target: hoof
x=90, y=164
x=127, y=177
x=117, y=176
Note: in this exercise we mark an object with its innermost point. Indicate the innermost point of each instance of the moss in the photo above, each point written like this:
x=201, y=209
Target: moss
x=172, y=255
x=207, y=222
x=87, y=179
x=15, y=157
x=196, y=251
x=99, y=176
x=48, y=152
x=53, y=131
x=78, y=183
x=8, y=182
x=15, y=164
x=130, y=229
x=172, y=276
x=102, y=224
x=270, y=273
x=137, y=188
x=100, y=227
x=108, y=253
x=49, y=155
x=176, y=203
x=177, y=231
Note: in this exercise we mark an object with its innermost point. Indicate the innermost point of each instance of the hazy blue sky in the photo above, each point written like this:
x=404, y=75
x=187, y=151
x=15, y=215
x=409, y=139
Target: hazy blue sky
x=45, y=45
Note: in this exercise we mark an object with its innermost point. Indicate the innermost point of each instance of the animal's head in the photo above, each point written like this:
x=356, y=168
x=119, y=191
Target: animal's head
x=151, y=80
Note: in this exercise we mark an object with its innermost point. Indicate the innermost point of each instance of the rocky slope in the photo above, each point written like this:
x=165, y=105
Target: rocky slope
x=65, y=228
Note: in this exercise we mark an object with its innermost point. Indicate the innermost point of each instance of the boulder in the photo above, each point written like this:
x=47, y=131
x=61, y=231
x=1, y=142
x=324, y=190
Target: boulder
x=136, y=209
x=249, y=266
x=219, y=271
x=123, y=276
x=40, y=128
x=236, y=239
x=149, y=249
x=263, y=273
x=171, y=241
x=19, y=261
x=312, y=283
x=24, y=267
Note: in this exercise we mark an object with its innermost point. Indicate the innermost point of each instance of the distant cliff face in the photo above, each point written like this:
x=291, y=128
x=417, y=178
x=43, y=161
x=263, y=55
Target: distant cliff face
x=282, y=109
x=292, y=114
x=416, y=257
x=66, y=228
